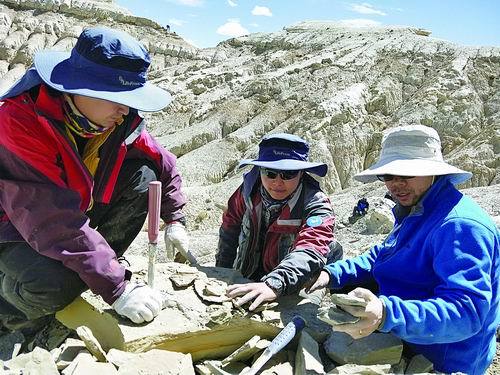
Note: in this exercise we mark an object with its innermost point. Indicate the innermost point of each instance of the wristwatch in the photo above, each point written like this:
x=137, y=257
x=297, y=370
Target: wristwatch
x=275, y=284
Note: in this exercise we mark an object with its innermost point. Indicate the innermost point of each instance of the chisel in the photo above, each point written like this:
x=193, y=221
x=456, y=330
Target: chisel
x=278, y=343
x=154, y=204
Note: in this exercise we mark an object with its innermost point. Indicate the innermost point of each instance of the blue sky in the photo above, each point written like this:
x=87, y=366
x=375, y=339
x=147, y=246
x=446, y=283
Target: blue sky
x=205, y=23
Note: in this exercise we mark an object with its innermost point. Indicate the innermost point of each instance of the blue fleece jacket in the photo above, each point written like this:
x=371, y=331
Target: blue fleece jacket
x=438, y=274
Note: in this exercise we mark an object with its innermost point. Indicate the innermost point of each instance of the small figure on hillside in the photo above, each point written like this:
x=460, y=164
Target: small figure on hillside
x=168, y=28
x=278, y=227
x=438, y=271
x=76, y=161
x=359, y=210
x=389, y=196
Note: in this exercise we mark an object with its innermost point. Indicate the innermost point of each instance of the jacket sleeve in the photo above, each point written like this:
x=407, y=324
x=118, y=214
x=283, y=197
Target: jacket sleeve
x=230, y=229
x=463, y=261
x=311, y=246
x=353, y=271
x=46, y=212
x=173, y=200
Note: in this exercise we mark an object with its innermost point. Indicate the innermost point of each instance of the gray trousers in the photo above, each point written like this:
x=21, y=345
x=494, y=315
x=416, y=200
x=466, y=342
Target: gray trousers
x=33, y=286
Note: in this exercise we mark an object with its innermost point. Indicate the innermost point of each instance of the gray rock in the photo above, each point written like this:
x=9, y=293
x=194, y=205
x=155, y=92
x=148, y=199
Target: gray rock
x=377, y=348
x=8, y=343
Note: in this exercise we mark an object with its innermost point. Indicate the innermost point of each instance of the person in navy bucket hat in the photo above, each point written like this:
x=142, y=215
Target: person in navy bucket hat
x=105, y=64
x=285, y=152
x=278, y=229
x=76, y=162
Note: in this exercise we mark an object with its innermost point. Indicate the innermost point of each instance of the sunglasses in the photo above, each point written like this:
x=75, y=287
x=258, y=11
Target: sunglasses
x=272, y=174
x=390, y=177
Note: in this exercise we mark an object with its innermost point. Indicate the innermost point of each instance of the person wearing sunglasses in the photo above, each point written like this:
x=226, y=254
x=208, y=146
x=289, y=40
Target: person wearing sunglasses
x=278, y=226
x=438, y=271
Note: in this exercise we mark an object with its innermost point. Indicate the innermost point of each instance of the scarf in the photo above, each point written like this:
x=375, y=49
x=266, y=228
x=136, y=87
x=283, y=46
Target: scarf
x=78, y=124
x=271, y=208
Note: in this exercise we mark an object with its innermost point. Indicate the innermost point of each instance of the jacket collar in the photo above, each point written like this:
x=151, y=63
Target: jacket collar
x=429, y=199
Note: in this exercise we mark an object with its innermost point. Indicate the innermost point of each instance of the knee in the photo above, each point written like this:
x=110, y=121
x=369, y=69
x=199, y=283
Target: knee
x=336, y=252
x=41, y=297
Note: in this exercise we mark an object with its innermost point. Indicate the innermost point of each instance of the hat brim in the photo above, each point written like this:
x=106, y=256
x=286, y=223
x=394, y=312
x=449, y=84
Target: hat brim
x=413, y=167
x=319, y=169
x=56, y=71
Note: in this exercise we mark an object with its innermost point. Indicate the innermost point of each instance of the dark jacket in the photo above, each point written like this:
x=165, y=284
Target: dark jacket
x=296, y=244
x=45, y=188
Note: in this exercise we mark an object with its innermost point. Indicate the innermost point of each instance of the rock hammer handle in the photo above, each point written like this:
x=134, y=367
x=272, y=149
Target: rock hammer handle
x=154, y=204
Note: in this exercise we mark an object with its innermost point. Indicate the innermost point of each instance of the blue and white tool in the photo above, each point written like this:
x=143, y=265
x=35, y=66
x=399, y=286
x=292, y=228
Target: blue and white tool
x=278, y=343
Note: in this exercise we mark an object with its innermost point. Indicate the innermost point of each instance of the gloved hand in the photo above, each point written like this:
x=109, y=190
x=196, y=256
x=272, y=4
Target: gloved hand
x=176, y=238
x=139, y=303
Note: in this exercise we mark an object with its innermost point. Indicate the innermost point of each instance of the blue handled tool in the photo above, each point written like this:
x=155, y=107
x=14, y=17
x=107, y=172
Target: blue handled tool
x=278, y=343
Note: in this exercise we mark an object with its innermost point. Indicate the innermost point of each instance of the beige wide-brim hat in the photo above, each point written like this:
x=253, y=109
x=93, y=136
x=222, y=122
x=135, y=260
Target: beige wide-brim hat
x=412, y=150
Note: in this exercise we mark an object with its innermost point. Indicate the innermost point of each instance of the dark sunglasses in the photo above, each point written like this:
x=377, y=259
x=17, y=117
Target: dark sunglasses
x=272, y=174
x=390, y=177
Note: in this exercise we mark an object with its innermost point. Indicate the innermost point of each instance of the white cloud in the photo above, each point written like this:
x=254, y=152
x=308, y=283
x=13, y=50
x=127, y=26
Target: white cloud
x=365, y=8
x=253, y=24
x=262, y=11
x=232, y=3
x=359, y=22
x=232, y=28
x=176, y=22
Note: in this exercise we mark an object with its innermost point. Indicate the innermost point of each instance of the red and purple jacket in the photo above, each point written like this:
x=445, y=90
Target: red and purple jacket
x=45, y=188
x=295, y=245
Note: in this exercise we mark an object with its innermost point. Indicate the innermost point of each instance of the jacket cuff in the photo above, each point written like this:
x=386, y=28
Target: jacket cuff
x=275, y=284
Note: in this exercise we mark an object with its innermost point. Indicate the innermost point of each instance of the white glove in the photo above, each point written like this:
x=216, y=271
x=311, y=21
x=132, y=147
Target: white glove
x=176, y=238
x=139, y=303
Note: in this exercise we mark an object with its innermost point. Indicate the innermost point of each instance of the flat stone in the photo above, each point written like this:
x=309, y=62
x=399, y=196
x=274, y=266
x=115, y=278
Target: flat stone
x=8, y=343
x=158, y=362
x=211, y=290
x=215, y=368
x=335, y=316
x=68, y=352
x=377, y=348
x=247, y=350
x=419, y=365
x=37, y=362
x=91, y=343
x=81, y=357
x=183, y=280
x=119, y=357
x=361, y=369
x=280, y=363
x=87, y=368
x=307, y=359
x=345, y=299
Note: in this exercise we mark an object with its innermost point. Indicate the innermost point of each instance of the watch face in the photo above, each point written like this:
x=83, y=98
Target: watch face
x=274, y=284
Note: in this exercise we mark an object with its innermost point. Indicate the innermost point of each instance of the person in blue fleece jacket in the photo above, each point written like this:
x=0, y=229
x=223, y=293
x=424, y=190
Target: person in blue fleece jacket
x=438, y=271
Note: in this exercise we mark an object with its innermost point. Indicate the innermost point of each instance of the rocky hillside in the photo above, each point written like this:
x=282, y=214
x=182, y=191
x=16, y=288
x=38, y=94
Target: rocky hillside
x=338, y=87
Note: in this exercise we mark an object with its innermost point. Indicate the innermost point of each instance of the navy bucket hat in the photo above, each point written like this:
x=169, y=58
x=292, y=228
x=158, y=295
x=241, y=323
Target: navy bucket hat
x=286, y=152
x=104, y=64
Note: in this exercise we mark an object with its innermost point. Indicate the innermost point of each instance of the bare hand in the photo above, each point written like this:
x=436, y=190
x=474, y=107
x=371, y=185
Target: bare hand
x=370, y=316
x=258, y=292
x=321, y=282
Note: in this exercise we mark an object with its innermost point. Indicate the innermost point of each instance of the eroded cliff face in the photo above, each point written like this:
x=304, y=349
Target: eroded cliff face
x=27, y=26
x=337, y=87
